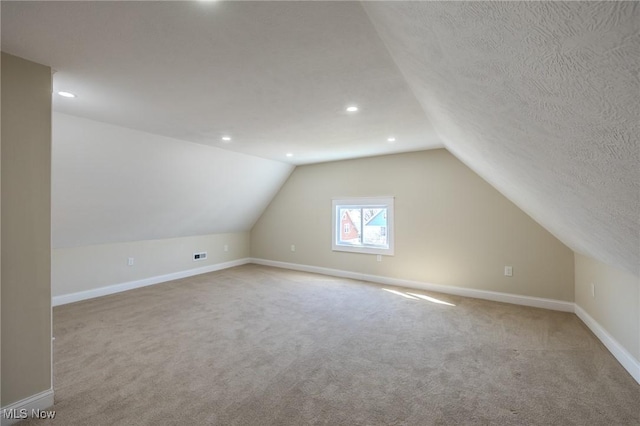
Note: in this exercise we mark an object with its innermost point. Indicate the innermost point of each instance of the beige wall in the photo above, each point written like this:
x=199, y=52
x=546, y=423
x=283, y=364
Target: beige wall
x=26, y=229
x=452, y=228
x=616, y=304
x=90, y=267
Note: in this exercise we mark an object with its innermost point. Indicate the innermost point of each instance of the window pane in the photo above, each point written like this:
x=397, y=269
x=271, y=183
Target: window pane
x=363, y=225
x=350, y=225
x=375, y=227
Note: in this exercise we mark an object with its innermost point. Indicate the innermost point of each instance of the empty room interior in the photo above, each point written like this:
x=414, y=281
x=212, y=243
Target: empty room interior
x=338, y=213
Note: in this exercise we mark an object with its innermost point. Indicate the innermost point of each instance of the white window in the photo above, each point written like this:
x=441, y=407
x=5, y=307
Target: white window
x=363, y=225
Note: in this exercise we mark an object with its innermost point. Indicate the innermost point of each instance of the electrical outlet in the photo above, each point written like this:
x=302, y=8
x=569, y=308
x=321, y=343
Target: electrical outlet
x=130, y=261
x=226, y=247
x=379, y=258
x=508, y=271
x=293, y=247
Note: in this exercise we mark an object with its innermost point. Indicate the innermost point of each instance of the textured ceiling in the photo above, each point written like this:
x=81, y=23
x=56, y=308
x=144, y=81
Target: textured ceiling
x=276, y=76
x=542, y=100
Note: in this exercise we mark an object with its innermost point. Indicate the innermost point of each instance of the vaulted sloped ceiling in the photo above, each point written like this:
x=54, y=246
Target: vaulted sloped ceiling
x=275, y=76
x=111, y=184
x=542, y=100
x=539, y=98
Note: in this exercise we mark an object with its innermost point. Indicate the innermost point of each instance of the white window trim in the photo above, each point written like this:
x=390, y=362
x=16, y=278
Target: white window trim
x=336, y=227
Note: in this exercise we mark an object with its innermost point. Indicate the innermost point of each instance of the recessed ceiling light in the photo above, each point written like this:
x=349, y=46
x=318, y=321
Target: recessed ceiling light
x=289, y=154
x=352, y=108
x=391, y=139
x=226, y=138
x=67, y=94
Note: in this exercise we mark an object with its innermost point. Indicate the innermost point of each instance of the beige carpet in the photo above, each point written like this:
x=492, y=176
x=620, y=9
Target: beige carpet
x=262, y=346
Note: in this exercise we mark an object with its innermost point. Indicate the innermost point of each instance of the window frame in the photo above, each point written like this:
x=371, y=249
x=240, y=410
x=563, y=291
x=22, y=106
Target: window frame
x=362, y=202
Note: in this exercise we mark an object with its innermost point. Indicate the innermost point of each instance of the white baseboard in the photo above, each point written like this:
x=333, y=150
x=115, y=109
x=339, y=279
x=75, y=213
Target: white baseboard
x=623, y=356
x=537, y=302
x=117, y=288
x=39, y=401
x=631, y=364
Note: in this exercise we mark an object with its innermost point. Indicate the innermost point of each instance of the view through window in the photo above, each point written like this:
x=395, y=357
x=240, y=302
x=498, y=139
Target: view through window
x=363, y=225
